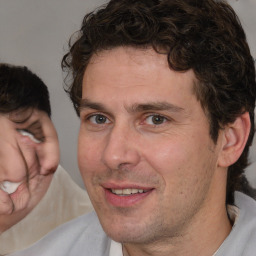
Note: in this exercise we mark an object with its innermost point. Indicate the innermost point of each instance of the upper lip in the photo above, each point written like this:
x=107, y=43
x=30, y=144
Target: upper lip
x=120, y=185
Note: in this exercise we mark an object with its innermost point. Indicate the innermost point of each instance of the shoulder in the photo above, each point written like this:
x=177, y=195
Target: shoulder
x=81, y=236
x=247, y=211
x=241, y=240
x=246, y=226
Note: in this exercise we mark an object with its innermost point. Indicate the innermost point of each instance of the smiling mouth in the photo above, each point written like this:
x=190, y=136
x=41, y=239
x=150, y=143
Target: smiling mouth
x=126, y=197
x=128, y=191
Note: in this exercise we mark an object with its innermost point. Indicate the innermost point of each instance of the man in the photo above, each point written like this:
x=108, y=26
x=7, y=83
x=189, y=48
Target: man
x=165, y=91
x=34, y=199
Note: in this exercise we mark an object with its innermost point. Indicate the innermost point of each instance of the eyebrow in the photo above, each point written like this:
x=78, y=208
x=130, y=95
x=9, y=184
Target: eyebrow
x=85, y=103
x=134, y=108
x=154, y=106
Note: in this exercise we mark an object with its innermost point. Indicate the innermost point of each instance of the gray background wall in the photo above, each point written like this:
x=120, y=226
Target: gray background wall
x=35, y=33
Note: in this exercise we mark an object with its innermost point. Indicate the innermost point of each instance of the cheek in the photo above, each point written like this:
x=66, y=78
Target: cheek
x=178, y=161
x=89, y=156
x=167, y=156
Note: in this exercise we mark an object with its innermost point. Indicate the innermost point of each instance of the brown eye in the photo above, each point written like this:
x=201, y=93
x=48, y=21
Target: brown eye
x=155, y=119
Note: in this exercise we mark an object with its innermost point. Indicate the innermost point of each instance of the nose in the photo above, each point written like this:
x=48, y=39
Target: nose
x=121, y=150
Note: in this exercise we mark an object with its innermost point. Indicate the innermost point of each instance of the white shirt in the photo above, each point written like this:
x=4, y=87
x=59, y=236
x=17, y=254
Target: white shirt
x=84, y=236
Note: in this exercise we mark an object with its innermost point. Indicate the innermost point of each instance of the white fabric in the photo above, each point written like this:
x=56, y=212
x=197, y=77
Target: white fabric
x=241, y=240
x=63, y=201
x=84, y=236
x=115, y=249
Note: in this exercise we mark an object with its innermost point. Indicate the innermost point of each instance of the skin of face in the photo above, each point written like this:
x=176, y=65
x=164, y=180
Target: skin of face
x=143, y=130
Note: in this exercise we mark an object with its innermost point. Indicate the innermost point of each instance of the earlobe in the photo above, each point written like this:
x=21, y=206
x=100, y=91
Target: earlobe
x=234, y=139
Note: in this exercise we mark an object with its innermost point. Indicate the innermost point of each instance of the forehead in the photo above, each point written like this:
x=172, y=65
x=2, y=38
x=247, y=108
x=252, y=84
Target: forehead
x=131, y=74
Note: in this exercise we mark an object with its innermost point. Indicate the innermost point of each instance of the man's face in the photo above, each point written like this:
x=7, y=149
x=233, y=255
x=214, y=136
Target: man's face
x=145, y=154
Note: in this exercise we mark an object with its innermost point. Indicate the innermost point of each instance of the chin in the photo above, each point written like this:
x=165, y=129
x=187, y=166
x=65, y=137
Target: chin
x=123, y=232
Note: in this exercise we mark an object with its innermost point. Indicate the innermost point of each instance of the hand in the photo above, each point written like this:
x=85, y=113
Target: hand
x=21, y=159
x=41, y=127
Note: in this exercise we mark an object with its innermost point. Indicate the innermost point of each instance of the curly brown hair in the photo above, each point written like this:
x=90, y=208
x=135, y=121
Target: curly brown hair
x=203, y=35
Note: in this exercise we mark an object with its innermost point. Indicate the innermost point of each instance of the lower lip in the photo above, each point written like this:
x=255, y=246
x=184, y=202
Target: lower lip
x=125, y=201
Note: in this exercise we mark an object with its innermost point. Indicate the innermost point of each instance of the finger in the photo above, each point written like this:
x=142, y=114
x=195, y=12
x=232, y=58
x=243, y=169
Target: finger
x=32, y=168
x=27, y=148
x=11, y=162
x=6, y=204
x=40, y=125
x=12, y=165
x=48, y=150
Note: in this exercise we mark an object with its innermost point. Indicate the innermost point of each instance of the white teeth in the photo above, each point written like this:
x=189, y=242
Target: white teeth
x=134, y=191
x=127, y=191
x=28, y=134
x=9, y=187
x=118, y=191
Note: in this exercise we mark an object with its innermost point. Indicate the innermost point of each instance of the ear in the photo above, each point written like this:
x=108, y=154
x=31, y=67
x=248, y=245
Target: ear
x=234, y=139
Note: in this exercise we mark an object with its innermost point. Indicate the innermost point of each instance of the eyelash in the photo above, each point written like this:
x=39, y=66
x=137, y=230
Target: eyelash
x=162, y=118
x=106, y=120
x=95, y=116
